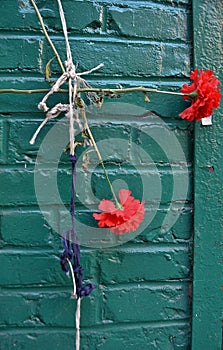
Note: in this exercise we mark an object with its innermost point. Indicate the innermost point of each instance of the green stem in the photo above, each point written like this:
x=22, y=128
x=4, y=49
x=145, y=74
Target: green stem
x=47, y=36
x=87, y=128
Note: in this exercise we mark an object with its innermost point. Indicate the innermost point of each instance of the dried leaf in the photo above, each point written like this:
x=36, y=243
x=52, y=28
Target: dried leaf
x=48, y=70
x=86, y=161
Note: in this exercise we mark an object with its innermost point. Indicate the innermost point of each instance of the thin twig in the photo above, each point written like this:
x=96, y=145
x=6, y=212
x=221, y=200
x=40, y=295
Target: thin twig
x=47, y=36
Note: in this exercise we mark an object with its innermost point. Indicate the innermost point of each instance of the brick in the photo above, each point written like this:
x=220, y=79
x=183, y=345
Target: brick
x=140, y=263
x=21, y=53
x=30, y=268
x=132, y=141
x=62, y=310
x=15, y=184
x=158, y=302
x=80, y=17
x=145, y=336
x=36, y=340
x=142, y=296
x=142, y=181
x=167, y=106
x=20, y=133
x=163, y=142
x=121, y=58
x=180, y=230
x=32, y=309
x=154, y=22
x=16, y=310
x=121, y=338
x=18, y=186
x=3, y=141
x=26, y=229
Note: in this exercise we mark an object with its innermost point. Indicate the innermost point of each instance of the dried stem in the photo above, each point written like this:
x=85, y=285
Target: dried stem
x=91, y=137
x=47, y=36
x=96, y=90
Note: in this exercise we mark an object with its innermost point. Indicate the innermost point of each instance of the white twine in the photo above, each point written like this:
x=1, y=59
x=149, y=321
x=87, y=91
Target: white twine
x=73, y=280
x=78, y=317
x=69, y=75
x=64, y=25
x=78, y=307
x=72, y=97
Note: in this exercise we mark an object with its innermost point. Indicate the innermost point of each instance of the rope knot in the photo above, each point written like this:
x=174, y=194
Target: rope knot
x=73, y=158
x=70, y=69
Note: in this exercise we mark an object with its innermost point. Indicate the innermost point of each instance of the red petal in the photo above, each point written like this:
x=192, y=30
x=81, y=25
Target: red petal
x=123, y=195
x=107, y=206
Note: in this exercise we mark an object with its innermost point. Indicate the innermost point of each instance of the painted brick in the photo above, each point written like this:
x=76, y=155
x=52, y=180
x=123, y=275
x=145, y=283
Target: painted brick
x=135, y=141
x=181, y=230
x=121, y=338
x=62, y=310
x=25, y=228
x=24, y=17
x=167, y=106
x=32, y=309
x=144, y=337
x=15, y=184
x=3, y=141
x=158, y=302
x=153, y=22
x=20, y=54
x=30, y=268
x=144, y=180
x=36, y=340
x=147, y=263
x=124, y=58
x=134, y=305
x=17, y=310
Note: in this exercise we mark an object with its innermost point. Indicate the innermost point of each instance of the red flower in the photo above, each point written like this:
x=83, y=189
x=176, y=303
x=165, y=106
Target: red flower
x=203, y=93
x=124, y=220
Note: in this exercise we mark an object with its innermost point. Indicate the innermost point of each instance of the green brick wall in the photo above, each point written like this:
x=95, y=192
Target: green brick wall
x=143, y=295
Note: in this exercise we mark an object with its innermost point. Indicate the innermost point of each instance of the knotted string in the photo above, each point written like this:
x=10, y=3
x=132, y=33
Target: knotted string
x=71, y=256
x=71, y=244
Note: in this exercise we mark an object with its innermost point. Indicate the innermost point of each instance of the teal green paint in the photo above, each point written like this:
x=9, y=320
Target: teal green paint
x=142, y=297
x=207, y=284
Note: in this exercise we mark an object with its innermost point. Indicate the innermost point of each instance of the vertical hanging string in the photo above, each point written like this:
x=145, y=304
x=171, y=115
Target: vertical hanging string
x=72, y=252
x=63, y=21
x=76, y=250
x=73, y=248
x=78, y=317
x=70, y=68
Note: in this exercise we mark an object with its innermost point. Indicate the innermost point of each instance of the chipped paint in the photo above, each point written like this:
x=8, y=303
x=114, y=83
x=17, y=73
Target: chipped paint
x=40, y=56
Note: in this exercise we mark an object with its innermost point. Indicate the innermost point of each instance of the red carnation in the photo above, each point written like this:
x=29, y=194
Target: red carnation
x=123, y=220
x=203, y=93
